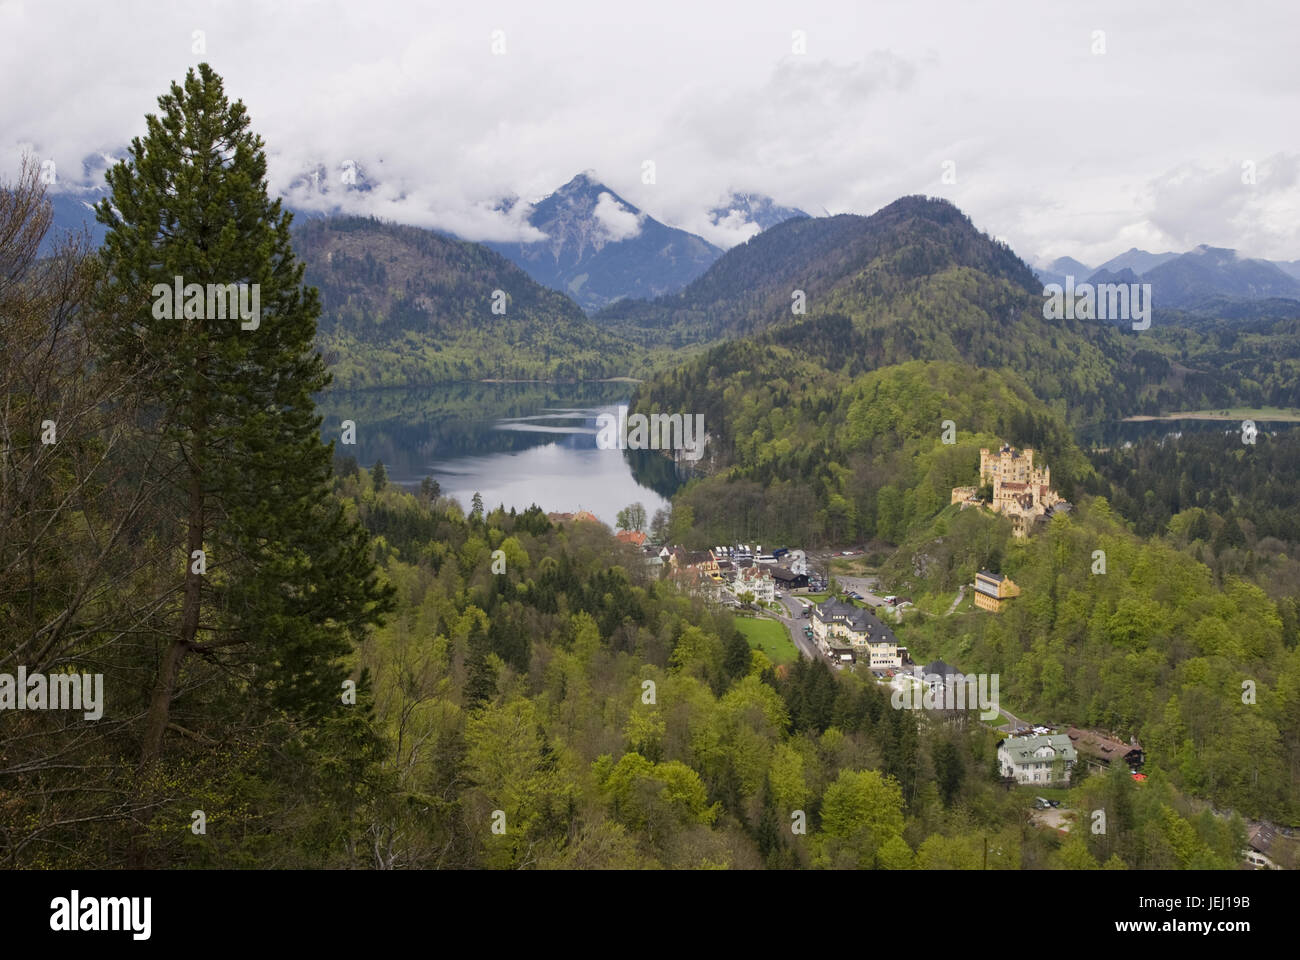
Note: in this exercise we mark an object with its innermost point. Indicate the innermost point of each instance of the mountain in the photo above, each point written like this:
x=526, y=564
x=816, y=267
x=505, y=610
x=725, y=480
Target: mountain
x=1290, y=267
x=402, y=305
x=1139, y=261
x=914, y=281
x=599, y=248
x=916, y=323
x=319, y=191
x=72, y=213
x=1209, y=272
x=753, y=208
x=1205, y=280
x=849, y=265
x=1120, y=275
x=1060, y=268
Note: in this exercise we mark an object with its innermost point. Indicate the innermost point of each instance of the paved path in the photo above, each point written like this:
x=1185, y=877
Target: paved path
x=795, y=624
x=961, y=592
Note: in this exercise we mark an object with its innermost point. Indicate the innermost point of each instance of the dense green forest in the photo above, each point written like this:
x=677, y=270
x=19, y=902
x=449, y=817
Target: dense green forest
x=402, y=306
x=1230, y=505
x=525, y=692
x=1147, y=642
x=812, y=457
x=1220, y=361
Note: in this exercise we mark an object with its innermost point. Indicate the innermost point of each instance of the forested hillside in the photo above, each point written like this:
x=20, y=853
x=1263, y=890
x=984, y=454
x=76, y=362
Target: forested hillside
x=525, y=693
x=1204, y=670
x=816, y=457
x=401, y=306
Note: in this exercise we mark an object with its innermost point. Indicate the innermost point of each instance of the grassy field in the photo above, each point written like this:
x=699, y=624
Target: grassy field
x=852, y=566
x=1232, y=413
x=1027, y=791
x=770, y=637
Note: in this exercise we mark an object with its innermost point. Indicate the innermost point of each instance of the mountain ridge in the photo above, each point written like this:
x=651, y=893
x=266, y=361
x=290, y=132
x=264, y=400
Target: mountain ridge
x=600, y=248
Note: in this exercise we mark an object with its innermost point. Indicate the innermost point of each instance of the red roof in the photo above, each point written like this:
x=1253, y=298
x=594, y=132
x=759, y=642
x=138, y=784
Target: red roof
x=634, y=537
x=1139, y=777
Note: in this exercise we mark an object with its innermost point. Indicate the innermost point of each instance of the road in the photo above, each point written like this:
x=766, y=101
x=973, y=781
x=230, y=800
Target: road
x=795, y=623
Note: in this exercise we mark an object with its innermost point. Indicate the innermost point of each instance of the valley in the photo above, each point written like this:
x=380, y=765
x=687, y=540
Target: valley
x=495, y=555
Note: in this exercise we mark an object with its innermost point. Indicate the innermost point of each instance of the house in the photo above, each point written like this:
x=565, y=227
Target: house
x=1021, y=491
x=787, y=579
x=1098, y=750
x=634, y=537
x=991, y=589
x=1037, y=759
x=756, y=580
x=841, y=654
x=937, y=675
x=1259, y=841
x=693, y=561
x=699, y=584
x=868, y=637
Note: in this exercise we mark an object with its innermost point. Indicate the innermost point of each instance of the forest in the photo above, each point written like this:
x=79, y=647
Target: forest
x=401, y=306
x=305, y=666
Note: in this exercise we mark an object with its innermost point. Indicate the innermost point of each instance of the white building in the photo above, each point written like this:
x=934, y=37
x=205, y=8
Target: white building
x=756, y=580
x=871, y=641
x=1038, y=759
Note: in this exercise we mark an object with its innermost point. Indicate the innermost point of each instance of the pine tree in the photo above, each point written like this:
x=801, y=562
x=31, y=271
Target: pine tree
x=285, y=580
x=481, y=681
x=379, y=476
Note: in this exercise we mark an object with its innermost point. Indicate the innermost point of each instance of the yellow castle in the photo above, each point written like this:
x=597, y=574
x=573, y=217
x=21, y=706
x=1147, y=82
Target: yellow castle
x=1021, y=491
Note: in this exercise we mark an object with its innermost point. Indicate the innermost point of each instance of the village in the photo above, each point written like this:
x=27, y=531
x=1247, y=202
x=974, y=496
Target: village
x=839, y=620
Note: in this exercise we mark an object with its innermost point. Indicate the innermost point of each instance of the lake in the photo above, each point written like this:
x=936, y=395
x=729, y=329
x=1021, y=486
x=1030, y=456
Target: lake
x=515, y=443
x=1114, y=432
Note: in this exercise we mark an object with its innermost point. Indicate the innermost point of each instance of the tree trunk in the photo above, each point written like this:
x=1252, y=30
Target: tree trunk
x=169, y=669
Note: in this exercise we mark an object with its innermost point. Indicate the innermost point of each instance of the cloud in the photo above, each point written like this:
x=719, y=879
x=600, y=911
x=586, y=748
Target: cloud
x=726, y=231
x=1251, y=205
x=618, y=222
x=1058, y=150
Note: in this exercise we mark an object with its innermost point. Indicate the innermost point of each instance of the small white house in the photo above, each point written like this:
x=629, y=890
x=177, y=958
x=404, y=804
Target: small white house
x=1037, y=759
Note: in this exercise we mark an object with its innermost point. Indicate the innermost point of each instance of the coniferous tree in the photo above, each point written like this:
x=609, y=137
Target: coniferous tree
x=274, y=581
x=481, y=682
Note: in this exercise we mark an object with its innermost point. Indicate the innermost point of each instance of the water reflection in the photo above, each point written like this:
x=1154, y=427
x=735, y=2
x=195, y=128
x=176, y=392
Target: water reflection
x=516, y=444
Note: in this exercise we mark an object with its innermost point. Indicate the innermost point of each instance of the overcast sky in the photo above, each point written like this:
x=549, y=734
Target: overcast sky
x=1055, y=148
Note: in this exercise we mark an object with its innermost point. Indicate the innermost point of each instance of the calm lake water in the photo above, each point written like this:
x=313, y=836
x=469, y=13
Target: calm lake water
x=516, y=444
x=1114, y=432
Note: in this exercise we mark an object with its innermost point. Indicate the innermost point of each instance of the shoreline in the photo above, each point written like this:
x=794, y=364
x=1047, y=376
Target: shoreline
x=1261, y=415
